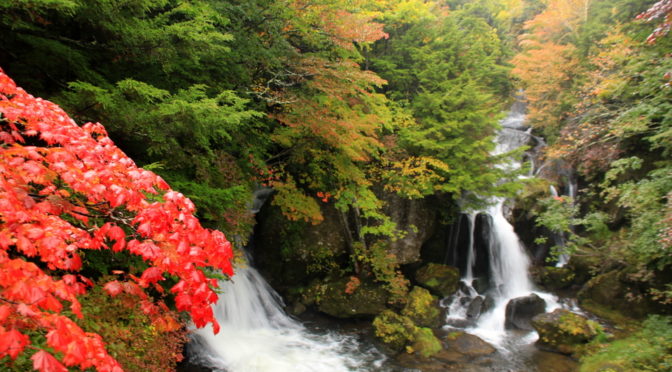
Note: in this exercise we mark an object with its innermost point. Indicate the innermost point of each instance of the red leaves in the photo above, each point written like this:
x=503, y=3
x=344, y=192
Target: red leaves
x=662, y=8
x=45, y=362
x=113, y=288
x=12, y=343
x=81, y=174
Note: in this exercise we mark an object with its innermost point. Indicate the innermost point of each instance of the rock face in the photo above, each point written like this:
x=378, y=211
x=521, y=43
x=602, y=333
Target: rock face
x=416, y=218
x=399, y=332
x=367, y=300
x=423, y=308
x=521, y=310
x=288, y=252
x=563, y=331
x=442, y=280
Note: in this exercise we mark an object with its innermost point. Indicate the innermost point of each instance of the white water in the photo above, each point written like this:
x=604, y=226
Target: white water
x=257, y=336
x=509, y=263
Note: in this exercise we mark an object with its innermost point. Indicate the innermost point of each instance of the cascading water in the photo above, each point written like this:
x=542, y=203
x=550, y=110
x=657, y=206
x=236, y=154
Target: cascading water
x=508, y=262
x=256, y=335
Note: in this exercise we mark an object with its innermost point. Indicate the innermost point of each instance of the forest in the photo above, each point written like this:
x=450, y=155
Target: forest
x=138, y=136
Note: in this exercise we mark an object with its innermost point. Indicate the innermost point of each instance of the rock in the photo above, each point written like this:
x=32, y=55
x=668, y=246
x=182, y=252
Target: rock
x=554, y=278
x=468, y=345
x=415, y=217
x=399, y=332
x=442, y=280
x=288, y=253
x=614, y=291
x=481, y=284
x=426, y=344
x=475, y=308
x=394, y=330
x=423, y=308
x=488, y=304
x=368, y=300
x=297, y=308
x=554, y=362
x=563, y=331
x=520, y=310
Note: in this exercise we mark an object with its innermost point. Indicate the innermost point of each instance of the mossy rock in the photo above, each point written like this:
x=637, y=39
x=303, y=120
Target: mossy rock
x=554, y=278
x=613, y=291
x=368, y=300
x=563, y=331
x=426, y=344
x=399, y=333
x=423, y=308
x=442, y=280
x=394, y=330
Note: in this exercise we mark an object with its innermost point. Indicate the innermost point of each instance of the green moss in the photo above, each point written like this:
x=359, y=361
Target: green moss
x=395, y=330
x=442, y=280
x=426, y=343
x=423, y=308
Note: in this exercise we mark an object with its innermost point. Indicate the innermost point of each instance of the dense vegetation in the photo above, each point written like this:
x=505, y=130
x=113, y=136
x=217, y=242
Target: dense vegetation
x=333, y=103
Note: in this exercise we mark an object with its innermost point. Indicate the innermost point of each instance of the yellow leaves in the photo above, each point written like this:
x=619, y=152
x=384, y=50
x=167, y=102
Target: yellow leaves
x=414, y=177
x=296, y=205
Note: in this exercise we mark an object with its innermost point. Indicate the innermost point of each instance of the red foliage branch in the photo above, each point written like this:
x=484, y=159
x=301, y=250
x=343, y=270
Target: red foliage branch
x=54, y=194
x=660, y=9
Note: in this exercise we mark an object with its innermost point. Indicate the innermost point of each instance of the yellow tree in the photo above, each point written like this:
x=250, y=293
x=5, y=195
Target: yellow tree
x=546, y=65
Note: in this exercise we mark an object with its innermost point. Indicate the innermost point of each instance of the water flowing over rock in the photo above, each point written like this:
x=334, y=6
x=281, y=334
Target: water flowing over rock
x=493, y=240
x=256, y=335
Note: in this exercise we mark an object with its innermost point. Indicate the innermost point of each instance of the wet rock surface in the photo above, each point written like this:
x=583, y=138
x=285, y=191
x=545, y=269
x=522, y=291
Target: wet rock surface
x=521, y=310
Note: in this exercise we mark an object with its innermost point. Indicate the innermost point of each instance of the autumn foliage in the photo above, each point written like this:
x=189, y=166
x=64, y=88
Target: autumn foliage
x=66, y=190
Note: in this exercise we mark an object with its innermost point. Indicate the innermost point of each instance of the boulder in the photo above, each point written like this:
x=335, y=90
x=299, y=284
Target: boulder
x=521, y=310
x=423, y=308
x=368, y=300
x=475, y=308
x=442, y=280
x=399, y=332
x=488, y=304
x=563, y=331
x=394, y=330
x=467, y=345
x=425, y=343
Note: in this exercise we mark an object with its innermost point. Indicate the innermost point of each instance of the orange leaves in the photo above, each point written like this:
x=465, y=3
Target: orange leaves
x=76, y=191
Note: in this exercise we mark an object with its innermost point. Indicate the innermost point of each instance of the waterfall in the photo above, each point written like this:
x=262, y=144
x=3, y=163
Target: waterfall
x=256, y=334
x=508, y=261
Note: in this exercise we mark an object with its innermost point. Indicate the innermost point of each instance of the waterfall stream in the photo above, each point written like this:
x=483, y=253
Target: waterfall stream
x=258, y=336
x=507, y=260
